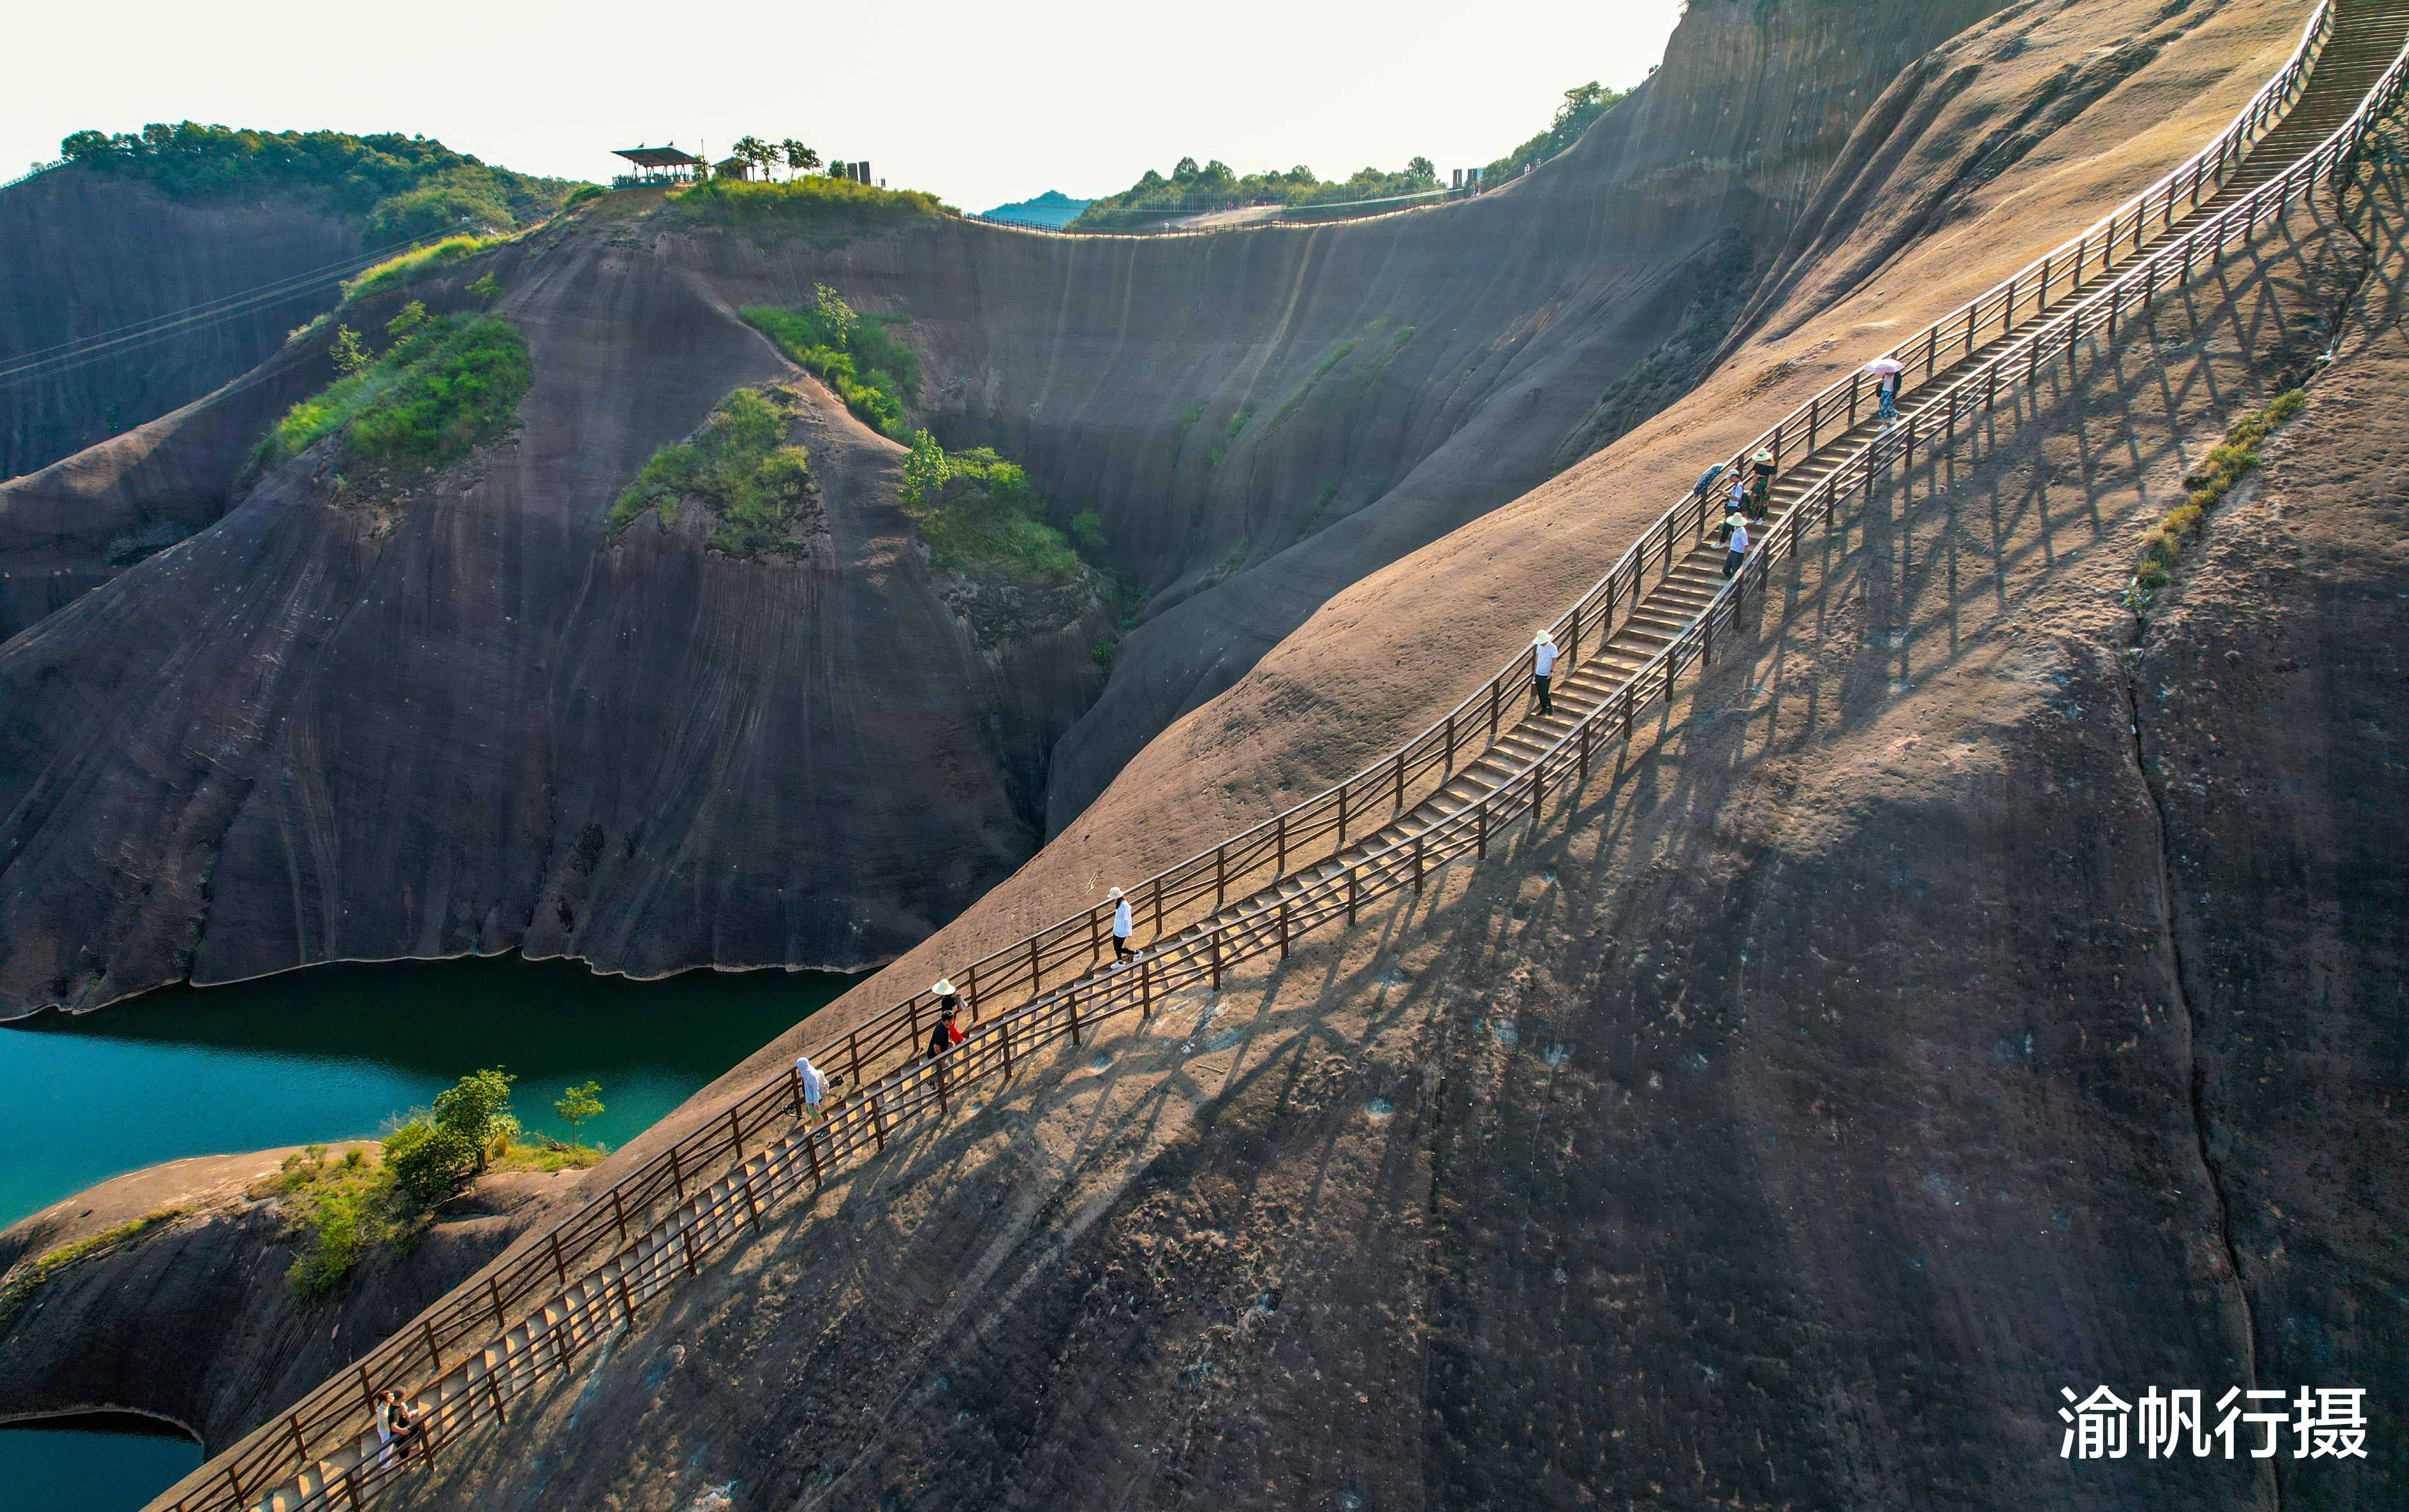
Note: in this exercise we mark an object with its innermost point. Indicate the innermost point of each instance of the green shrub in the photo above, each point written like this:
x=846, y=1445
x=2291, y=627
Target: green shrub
x=738, y=466
x=2207, y=484
x=823, y=210
x=982, y=521
x=415, y=264
x=1237, y=424
x=1583, y=104
x=872, y=373
x=428, y=1164
x=444, y=387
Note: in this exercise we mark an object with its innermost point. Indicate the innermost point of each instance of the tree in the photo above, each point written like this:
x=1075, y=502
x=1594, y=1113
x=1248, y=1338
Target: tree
x=349, y=356
x=577, y=1104
x=834, y=312
x=1423, y=170
x=799, y=159
x=752, y=149
x=412, y=315
x=478, y=1110
x=924, y=471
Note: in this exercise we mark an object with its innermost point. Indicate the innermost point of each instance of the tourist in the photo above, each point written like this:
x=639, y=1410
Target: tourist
x=1543, y=668
x=409, y=1430
x=1886, y=372
x=947, y=1033
x=1735, y=497
x=1761, y=471
x=384, y=1427
x=812, y=1081
x=1735, y=542
x=1121, y=927
x=948, y=1000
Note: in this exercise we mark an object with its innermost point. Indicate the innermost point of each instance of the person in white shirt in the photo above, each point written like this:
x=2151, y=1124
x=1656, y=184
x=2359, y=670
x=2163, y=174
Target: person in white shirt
x=1735, y=543
x=1122, y=926
x=1543, y=666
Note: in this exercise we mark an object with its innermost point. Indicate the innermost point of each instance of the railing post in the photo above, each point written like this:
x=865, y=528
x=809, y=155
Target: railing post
x=1397, y=804
x=1418, y=865
x=1071, y=1007
x=1280, y=841
x=1342, y=820
x=1481, y=840
x=559, y=1265
x=1216, y=959
x=1857, y=380
x=1931, y=348
x=2008, y=310
x=1447, y=764
x=1494, y=683
x=1221, y=874
x=853, y=1044
x=1146, y=987
x=1352, y=879
x=619, y=1216
x=1036, y=968
x=877, y=1121
x=736, y=1133
x=494, y=1297
x=1815, y=411
x=433, y=1354
x=1283, y=929
x=1572, y=647
x=1095, y=939
x=1158, y=905
x=677, y=1176
x=1588, y=726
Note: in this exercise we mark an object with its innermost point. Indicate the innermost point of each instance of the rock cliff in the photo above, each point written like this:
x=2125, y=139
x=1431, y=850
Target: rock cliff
x=1972, y=990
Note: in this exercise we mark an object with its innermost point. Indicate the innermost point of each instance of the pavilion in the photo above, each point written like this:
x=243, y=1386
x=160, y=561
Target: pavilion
x=657, y=165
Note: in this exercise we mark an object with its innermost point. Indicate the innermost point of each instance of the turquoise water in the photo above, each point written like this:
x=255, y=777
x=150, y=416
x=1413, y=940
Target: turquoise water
x=103, y=1463
x=325, y=1054
x=332, y=1052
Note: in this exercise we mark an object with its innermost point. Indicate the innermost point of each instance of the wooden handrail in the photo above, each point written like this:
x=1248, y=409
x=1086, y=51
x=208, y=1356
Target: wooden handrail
x=563, y=1296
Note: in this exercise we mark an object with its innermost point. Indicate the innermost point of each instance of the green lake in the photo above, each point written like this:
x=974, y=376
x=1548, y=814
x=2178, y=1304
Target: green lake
x=327, y=1053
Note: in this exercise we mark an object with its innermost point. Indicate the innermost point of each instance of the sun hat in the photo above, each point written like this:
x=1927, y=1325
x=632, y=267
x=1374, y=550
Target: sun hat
x=1763, y=453
x=1543, y=639
x=1112, y=895
x=944, y=988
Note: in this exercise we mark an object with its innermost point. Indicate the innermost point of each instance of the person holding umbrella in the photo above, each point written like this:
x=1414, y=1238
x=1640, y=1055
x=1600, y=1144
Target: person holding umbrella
x=1885, y=371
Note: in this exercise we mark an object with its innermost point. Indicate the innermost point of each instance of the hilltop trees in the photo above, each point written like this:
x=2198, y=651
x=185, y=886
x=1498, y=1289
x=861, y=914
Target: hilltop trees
x=765, y=155
x=1583, y=104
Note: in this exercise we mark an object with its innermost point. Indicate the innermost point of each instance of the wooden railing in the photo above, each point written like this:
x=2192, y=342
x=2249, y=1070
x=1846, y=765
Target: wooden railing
x=467, y=1357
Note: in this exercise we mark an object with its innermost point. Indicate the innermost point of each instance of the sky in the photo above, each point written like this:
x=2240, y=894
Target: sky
x=977, y=103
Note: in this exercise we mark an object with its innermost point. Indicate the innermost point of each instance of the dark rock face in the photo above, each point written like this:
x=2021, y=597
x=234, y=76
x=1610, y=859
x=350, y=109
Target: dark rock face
x=193, y=1321
x=88, y=254
x=374, y=733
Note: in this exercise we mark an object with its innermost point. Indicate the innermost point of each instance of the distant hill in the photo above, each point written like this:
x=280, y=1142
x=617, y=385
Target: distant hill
x=1052, y=208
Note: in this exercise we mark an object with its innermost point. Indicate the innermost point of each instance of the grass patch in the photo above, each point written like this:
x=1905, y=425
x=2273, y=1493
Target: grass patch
x=443, y=387
x=823, y=211
x=738, y=466
x=1290, y=405
x=875, y=374
x=336, y=1211
x=29, y=1277
x=415, y=264
x=2224, y=467
x=1237, y=422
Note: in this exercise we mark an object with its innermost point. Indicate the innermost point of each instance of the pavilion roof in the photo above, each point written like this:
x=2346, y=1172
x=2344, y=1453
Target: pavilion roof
x=657, y=157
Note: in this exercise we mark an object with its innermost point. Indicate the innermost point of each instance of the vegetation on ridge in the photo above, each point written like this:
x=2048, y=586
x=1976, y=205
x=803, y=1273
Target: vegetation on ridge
x=395, y=187
x=443, y=387
x=1583, y=104
x=31, y=1276
x=1190, y=190
x=738, y=467
x=875, y=374
x=410, y=266
x=822, y=210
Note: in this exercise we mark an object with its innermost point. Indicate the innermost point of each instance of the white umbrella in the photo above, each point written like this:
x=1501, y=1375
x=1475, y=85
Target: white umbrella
x=1885, y=367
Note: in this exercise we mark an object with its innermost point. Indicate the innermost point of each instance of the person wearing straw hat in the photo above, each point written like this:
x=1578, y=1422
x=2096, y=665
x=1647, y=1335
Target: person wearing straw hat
x=949, y=998
x=1760, y=468
x=1543, y=668
x=1734, y=542
x=1121, y=927
x=947, y=1033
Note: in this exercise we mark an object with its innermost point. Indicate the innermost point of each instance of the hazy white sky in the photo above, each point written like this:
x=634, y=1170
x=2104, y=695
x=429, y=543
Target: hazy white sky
x=978, y=102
